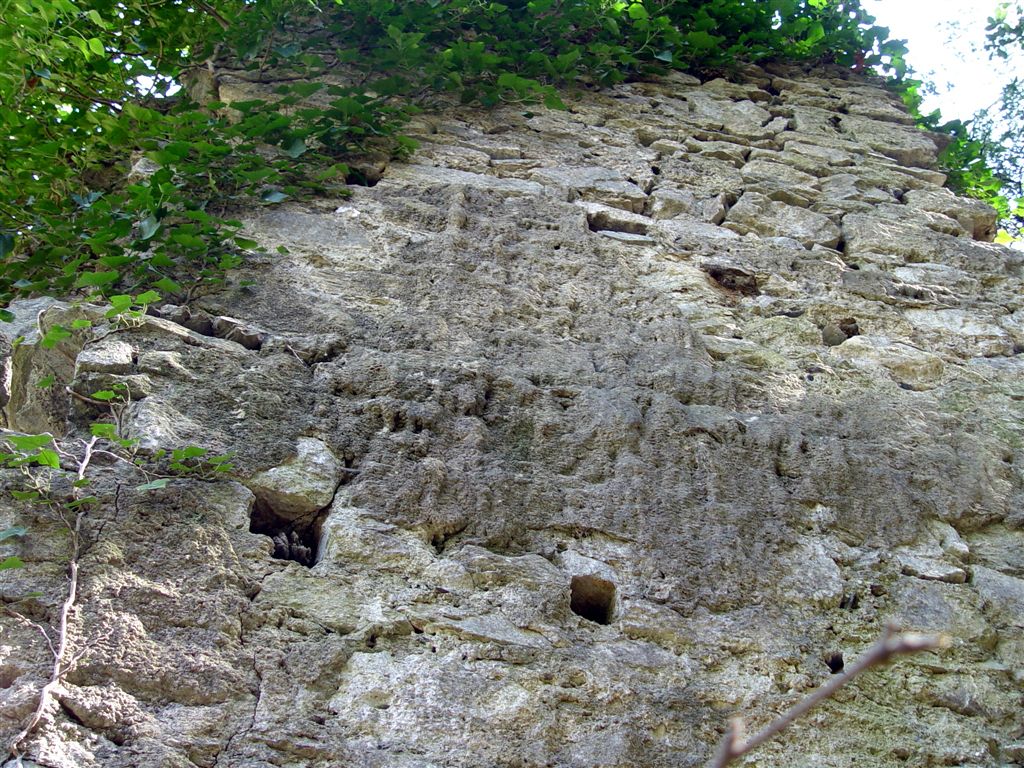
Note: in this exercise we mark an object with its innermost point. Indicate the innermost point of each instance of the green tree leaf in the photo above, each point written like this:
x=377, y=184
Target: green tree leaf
x=47, y=458
x=637, y=11
x=148, y=227
x=29, y=443
x=53, y=336
x=97, y=279
x=153, y=485
x=295, y=148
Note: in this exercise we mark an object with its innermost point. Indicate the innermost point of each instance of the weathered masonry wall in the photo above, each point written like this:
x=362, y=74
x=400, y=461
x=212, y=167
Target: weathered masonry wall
x=564, y=442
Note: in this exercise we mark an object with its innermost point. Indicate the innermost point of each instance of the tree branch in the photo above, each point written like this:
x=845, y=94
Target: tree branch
x=889, y=646
x=59, y=668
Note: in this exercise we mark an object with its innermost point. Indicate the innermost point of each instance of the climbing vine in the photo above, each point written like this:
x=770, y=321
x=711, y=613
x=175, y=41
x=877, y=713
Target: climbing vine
x=115, y=180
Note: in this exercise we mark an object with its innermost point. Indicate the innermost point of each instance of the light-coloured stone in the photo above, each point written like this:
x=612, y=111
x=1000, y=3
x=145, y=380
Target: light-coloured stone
x=999, y=548
x=595, y=497
x=427, y=176
x=593, y=184
x=965, y=332
x=907, y=364
x=936, y=607
x=686, y=232
x=930, y=569
x=906, y=144
x=813, y=577
x=1003, y=595
x=976, y=217
x=755, y=213
x=302, y=485
x=109, y=355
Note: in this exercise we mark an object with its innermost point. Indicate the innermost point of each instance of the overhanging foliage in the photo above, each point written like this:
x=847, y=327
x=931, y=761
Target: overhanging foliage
x=88, y=90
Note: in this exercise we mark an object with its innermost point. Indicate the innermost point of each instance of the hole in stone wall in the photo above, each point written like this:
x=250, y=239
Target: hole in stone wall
x=593, y=598
x=221, y=327
x=293, y=539
x=835, y=663
x=8, y=674
x=365, y=176
x=850, y=602
x=733, y=279
x=605, y=221
x=849, y=326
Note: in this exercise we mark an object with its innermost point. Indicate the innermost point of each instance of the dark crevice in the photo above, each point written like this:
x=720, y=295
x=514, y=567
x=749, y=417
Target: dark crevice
x=220, y=327
x=441, y=539
x=296, y=540
x=364, y=177
x=605, y=221
x=850, y=602
x=835, y=663
x=733, y=279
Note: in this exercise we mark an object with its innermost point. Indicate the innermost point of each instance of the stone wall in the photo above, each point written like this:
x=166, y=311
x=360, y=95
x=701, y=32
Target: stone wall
x=560, y=445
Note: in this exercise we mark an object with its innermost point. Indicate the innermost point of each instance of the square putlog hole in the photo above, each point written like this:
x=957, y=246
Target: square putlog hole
x=593, y=598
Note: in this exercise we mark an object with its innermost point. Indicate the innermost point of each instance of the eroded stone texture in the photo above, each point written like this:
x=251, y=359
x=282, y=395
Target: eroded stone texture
x=628, y=419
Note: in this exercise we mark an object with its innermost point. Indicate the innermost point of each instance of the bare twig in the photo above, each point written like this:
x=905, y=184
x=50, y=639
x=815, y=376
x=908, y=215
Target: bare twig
x=60, y=666
x=33, y=625
x=215, y=15
x=889, y=646
x=86, y=398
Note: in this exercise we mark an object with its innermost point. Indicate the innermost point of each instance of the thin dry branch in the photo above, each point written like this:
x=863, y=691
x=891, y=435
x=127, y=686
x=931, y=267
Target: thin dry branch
x=889, y=646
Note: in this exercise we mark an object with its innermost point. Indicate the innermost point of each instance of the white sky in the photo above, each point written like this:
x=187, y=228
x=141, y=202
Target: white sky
x=946, y=39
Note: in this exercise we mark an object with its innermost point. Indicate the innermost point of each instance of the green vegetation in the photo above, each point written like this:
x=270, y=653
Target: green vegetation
x=88, y=91
x=985, y=158
x=1000, y=133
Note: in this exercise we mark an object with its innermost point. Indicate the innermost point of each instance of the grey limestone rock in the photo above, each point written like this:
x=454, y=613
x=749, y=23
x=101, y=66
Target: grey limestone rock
x=570, y=439
x=756, y=213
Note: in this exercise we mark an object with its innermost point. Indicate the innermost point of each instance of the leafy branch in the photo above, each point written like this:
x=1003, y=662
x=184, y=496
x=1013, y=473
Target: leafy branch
x=61, y=665
x=84, y=94
x=38, y=457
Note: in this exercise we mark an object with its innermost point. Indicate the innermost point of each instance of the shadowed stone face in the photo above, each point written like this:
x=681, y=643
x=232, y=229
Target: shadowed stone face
x=562, y=443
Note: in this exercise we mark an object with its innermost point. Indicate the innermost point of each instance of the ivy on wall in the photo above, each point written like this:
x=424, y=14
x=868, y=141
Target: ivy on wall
x=115, y=181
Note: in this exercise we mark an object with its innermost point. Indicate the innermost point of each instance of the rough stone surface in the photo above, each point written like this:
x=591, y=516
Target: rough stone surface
x=302, y=485
x=772, y=218
x=602, y=426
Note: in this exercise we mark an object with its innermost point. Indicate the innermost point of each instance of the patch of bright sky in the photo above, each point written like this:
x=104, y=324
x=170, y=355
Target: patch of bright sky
x=946, y=41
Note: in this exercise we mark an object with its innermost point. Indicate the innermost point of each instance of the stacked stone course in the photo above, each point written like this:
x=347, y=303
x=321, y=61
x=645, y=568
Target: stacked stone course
x=603, y=425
